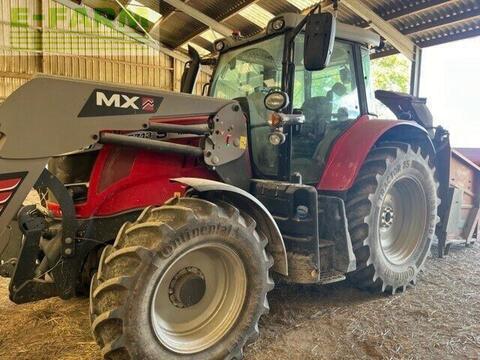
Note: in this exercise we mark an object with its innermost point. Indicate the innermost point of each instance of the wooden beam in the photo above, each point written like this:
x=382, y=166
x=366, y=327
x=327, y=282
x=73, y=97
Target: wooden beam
x=471, y=224
x=15, y=75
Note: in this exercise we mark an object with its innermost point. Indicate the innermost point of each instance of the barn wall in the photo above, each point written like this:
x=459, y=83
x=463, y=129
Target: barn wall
x=42, y=36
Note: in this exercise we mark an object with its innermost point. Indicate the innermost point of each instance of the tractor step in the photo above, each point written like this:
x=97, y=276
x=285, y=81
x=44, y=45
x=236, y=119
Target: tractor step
x=331, y=277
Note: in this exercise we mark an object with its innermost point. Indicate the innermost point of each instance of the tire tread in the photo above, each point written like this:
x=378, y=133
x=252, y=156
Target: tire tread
x=359, y=205
x=119, y=263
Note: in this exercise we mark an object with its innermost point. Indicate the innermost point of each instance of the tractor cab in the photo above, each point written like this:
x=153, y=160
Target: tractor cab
x=295, y=114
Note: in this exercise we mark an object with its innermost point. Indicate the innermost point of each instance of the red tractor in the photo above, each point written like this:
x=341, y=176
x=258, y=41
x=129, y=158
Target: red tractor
x=173, y=211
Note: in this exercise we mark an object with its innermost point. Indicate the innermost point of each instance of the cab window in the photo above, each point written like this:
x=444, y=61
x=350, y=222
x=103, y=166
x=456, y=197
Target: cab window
x=335, y=85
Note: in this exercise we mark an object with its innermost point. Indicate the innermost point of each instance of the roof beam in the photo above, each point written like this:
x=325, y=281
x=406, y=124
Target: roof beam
x=198, y=15
x=121, y=28
x=129, y=14
x=390, y=33
x=229, y=13
x=165, y=17
x=327, y=5
x=395, y=13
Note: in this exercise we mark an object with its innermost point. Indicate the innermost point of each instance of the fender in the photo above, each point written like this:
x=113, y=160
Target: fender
x=349, y=152
x=247, y=202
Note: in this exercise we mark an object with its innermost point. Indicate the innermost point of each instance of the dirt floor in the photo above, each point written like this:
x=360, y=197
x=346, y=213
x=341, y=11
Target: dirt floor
x=438, y=319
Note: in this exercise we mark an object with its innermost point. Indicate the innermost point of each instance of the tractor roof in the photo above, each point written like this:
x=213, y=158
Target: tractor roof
x=344, y=31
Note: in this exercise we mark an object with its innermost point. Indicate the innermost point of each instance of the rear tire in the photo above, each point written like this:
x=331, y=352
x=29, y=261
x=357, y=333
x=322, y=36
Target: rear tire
x=187, y=280
x=392, y=215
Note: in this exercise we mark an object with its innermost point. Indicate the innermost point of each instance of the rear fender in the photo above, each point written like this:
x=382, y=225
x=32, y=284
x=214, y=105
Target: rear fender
x=351, y=149
x=247, y=202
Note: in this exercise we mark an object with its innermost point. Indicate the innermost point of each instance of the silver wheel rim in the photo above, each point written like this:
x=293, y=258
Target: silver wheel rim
x=403, y=218
x=199, y=298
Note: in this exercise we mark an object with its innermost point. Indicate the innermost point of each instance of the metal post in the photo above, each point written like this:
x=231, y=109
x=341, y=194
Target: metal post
x=416, y=72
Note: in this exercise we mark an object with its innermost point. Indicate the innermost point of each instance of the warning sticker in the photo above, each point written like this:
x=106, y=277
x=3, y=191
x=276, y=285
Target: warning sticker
x=243, y=142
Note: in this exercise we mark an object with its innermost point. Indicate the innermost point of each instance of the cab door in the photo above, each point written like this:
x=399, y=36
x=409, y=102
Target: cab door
x=330, y=100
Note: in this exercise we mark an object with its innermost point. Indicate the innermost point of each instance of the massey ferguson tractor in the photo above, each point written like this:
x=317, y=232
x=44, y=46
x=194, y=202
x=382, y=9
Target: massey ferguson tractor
x=173, y=211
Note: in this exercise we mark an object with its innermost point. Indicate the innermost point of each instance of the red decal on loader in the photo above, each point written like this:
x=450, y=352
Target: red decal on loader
x=5, y=196
x=148, y=104
x=9, y=184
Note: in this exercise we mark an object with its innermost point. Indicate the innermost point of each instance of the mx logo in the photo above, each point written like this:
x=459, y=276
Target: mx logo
x=115, y=103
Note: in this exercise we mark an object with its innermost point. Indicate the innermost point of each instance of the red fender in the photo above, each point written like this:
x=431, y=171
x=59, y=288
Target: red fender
x=351, y=149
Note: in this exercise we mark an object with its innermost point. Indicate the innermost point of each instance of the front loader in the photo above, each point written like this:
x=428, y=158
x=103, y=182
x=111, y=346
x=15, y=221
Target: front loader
x=172, y=211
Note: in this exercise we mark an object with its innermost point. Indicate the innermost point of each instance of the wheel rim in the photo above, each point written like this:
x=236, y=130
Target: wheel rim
x=403, y=219
x=199, y=298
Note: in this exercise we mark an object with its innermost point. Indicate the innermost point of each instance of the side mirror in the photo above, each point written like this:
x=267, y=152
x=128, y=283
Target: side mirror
x=190, y=72
x=319, y=39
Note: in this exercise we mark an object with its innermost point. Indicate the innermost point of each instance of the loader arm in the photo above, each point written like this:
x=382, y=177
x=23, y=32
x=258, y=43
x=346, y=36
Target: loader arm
x=77, y=115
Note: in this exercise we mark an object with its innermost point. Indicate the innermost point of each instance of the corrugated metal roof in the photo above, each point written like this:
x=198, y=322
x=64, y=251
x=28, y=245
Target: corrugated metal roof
x=257, y=15
x=426, y=22
x=435, y=22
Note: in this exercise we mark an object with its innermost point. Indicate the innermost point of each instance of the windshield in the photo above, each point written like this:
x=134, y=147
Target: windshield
x=244, y=71
x=248, y=74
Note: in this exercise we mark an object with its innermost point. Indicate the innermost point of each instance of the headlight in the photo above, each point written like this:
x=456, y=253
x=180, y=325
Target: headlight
x=219, y=45
x=278, y=24
x=276, y=138
x=276, y=101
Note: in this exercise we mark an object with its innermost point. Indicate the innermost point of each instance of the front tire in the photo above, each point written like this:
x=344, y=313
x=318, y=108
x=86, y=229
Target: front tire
x=187, y=280
x=392, y=215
